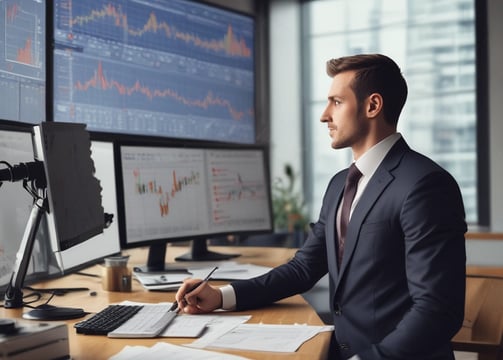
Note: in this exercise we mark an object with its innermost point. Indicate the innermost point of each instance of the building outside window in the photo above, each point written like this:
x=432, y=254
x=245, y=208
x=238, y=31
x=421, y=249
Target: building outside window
x=433, y=41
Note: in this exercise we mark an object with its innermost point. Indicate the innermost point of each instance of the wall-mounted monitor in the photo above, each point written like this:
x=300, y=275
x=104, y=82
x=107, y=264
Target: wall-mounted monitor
x=171, y=193
x=178, y=68
x=22, y=60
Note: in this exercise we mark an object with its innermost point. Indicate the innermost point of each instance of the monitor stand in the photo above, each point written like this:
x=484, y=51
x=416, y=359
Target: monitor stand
x=198, y=252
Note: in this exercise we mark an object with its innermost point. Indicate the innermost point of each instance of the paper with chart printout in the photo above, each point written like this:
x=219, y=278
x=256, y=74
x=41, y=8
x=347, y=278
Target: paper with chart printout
x=163, y=350
x=262, y=337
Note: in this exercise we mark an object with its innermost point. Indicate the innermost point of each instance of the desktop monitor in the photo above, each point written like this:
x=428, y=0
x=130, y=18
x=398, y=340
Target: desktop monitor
x=74, y=210
x=62, y=183
x=15, y=205
x=95, y=249
x=22, y=60
x=171, y=193
x=177, y=68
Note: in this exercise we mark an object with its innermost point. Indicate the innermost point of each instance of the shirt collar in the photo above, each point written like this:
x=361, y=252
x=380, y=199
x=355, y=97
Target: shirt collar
x=372, y=158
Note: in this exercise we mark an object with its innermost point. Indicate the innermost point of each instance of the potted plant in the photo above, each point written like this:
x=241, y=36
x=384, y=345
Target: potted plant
x=288, y=204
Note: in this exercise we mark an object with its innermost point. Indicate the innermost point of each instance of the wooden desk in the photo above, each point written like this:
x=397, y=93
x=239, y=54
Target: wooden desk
x=482, y=330
x=289, y=311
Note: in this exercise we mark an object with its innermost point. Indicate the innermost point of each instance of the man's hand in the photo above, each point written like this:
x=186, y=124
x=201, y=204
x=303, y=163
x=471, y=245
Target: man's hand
x=198, y=297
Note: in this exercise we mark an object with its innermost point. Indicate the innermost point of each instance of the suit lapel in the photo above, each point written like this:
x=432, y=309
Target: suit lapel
x=377, y=184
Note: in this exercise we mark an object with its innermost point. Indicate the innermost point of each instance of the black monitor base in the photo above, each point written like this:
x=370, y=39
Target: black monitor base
x=198, y=252
x=50, y=312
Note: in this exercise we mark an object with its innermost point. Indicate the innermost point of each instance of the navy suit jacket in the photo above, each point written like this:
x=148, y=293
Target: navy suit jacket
x=400, y=290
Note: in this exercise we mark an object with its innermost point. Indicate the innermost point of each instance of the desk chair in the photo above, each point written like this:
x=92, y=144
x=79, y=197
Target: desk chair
x=482, y=330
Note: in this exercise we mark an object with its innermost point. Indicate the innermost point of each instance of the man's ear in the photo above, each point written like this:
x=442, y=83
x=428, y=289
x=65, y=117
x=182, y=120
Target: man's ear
x=374, y=105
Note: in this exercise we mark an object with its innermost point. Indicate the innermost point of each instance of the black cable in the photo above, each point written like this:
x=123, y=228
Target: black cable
x=87, y=274
x=56, y=291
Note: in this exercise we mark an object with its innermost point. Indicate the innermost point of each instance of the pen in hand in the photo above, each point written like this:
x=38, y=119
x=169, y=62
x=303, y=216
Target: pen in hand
x=174, y=307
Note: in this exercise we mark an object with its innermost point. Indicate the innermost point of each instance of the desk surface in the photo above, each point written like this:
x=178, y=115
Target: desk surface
x=482, y=329
x=288, y=311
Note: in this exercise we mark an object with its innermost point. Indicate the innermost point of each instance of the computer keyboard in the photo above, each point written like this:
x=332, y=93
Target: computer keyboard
x=128, y=321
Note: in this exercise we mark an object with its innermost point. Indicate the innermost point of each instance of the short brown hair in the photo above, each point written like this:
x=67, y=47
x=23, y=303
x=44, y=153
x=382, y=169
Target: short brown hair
x=374, y=73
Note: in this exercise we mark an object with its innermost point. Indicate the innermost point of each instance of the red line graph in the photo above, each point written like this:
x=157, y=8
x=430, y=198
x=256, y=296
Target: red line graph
x=150, y=187
x=100, y=81
x=229, y=44
x=12, y=12
x=24, y=55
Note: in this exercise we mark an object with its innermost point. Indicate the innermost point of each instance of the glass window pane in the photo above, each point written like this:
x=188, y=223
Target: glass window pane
x=433, y=41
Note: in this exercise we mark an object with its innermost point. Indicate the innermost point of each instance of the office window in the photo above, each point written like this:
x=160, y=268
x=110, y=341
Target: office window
x=433, y=41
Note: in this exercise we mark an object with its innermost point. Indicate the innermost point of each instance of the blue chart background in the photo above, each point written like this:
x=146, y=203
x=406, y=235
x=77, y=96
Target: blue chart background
x=164, y=65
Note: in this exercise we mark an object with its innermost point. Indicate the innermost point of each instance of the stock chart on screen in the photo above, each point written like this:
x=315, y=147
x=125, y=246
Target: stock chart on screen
x=22, y=60
x=182, y=192
x=165, y=68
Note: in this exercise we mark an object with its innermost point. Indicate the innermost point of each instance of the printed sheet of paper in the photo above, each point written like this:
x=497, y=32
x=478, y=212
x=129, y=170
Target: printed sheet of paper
x=216, y=326
x=261, y=337
x=163, y=350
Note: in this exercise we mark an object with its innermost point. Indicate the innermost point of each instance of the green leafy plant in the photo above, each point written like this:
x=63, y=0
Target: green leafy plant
x=288, y=204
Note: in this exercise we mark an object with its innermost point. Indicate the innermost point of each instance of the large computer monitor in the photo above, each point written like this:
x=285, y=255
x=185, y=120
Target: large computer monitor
x=22, y=60
x=171, y=193
x=178, y=68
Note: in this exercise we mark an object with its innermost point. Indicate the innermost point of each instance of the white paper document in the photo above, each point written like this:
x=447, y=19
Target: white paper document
x=161, y=281
x=261, y=337
x=236, y=271
x=216, y=326
x=164, y=350
x=227, y=270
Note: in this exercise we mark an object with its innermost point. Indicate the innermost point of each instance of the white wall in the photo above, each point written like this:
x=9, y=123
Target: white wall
x=285, y=85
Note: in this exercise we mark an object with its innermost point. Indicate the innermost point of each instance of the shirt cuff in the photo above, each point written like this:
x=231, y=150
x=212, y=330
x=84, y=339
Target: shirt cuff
x=228, y=297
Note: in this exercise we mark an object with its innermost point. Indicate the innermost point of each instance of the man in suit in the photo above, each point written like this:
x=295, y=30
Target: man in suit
x=398, y=290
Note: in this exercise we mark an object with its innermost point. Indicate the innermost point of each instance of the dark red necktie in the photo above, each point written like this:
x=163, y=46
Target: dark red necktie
x=352, y=179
